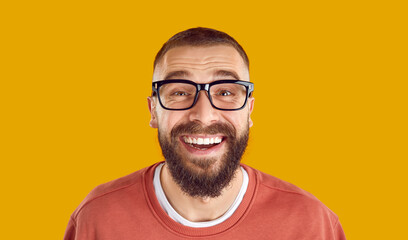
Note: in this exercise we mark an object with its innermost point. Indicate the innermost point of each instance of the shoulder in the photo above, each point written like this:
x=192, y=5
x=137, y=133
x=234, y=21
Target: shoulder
x=274, y=183
x=272, y=191
x=282, y=205
x=106, y=193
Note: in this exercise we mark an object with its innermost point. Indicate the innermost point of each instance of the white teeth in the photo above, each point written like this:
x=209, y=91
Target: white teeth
x=202, y=141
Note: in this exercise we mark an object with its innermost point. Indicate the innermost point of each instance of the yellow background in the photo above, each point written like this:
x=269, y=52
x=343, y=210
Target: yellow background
x=330, y=111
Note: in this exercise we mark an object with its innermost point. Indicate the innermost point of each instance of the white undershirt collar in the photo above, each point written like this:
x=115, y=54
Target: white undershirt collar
x=164, y=203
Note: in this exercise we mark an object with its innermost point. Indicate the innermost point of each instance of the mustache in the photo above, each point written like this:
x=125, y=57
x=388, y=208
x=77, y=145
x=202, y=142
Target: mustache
x=195, y=128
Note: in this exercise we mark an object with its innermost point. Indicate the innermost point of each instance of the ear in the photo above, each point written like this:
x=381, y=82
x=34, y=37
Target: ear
x=251, y=102
x=152, y=109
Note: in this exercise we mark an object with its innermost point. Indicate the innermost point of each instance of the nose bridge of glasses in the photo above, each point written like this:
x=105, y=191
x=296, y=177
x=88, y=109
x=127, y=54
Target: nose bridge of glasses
x=205, y=93
x=204, y=86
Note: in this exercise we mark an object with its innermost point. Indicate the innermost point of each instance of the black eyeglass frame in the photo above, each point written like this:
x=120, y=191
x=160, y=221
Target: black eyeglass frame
x=206, y=87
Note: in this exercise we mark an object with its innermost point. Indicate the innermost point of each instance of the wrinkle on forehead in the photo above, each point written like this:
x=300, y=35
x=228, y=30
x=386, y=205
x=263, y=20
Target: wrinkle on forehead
x=170, y=59
x=180, y=74
x=201, y=67
x=202, y=59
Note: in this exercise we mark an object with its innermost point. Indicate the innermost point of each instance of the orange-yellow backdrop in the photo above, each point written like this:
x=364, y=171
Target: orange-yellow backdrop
x=330, y=111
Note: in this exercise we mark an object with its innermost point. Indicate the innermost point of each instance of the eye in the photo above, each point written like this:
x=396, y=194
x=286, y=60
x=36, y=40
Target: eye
x=224, y=93
x=180, y=93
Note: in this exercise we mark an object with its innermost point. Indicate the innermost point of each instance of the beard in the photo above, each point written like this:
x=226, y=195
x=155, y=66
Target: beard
x=203, y=177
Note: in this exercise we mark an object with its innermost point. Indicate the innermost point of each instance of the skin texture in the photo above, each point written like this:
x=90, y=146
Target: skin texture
x=201, y=65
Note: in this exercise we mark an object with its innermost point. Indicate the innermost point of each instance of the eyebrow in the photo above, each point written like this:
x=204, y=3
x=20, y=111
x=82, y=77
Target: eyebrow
x=225, y=73
x=177, y=74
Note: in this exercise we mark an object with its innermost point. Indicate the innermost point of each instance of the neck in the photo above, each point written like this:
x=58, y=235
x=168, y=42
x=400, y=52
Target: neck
x=200, y=209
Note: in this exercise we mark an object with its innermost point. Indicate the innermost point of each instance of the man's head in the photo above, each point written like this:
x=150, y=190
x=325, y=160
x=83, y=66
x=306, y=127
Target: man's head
x=200, y=37
x=202, y=145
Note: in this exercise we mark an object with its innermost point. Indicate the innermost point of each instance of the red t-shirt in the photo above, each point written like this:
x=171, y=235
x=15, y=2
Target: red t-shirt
x=127, y=208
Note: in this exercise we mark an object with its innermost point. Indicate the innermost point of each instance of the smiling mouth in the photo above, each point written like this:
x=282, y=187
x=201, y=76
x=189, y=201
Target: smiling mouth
x=201, y=143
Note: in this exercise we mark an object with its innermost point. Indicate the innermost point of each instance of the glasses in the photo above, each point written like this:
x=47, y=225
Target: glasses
x=180, y=94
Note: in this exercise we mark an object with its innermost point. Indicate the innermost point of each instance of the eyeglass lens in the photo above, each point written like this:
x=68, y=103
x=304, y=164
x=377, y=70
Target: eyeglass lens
x=182, y=95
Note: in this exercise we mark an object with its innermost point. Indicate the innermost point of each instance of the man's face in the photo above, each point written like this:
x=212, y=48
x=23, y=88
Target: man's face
x=195, y=166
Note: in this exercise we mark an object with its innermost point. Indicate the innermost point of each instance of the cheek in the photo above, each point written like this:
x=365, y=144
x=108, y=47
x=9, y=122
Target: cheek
x=168, y=119
x=237, y=119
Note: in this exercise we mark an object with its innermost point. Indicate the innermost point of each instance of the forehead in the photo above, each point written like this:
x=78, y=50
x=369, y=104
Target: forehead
x=196, y=62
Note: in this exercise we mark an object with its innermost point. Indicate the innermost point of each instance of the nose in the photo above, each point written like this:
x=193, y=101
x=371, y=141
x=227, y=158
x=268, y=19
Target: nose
x=202, y=111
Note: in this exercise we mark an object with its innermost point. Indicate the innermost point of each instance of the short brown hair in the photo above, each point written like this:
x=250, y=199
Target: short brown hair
x=200, y=37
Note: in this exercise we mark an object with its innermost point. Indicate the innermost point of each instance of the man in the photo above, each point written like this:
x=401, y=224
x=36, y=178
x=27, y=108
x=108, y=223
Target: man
x=201, y=104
